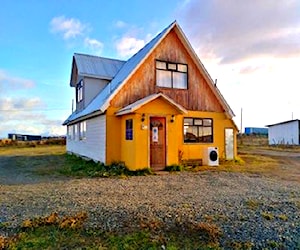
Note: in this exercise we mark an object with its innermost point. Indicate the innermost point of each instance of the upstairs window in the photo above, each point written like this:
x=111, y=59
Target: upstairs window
x=198, y=130
x=171, y=75
x=79, y=90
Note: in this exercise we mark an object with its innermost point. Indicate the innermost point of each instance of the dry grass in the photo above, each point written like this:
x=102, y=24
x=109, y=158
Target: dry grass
x=246, y=163
x=33, y=151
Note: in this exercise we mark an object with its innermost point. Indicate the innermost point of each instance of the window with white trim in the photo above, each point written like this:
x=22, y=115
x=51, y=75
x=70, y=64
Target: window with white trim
x=82, y=130
x=70, y=132
x=198, y=130
x=171, y=75
x=79, y=90
x=75, y=132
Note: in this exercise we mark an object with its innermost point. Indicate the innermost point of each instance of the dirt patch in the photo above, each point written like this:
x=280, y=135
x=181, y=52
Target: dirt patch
x=288, y=162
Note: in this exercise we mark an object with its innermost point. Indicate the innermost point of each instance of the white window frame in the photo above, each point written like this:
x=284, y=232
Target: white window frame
x=79, y=90
x=82, y=130
x=75, y=126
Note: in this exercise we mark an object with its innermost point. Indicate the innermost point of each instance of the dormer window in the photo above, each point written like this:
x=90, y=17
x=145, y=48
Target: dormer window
x=79, y=90
x=171, y=75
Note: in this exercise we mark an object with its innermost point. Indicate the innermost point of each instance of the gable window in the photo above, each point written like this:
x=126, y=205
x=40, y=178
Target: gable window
x=171, y=75
x=79, y=90
x=82, y=130
x=198, y=130
x=129, y=129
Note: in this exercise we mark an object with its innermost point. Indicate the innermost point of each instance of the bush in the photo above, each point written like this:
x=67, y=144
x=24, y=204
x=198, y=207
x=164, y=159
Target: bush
x=77, y=166
x=174, y=168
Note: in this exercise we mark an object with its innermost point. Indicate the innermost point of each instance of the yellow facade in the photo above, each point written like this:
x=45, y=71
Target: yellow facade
x=136, y=152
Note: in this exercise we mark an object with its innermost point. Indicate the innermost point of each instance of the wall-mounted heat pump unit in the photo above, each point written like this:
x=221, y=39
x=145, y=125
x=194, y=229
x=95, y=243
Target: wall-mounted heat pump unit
x=211, y=156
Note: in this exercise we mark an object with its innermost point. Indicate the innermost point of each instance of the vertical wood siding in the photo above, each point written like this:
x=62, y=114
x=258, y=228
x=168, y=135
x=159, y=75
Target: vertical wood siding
x=142, y=83
x=94, y=146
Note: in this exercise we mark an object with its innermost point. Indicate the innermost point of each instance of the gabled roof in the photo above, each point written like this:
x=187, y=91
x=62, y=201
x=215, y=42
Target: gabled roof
x=101, y=102
x=136, y=105
x=96, y=67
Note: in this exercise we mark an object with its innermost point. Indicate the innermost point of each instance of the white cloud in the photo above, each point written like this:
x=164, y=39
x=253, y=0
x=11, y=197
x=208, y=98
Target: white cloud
x=67, y=27
x=127, y=46
x=120, y=24
x=253, y=48
x=235, y=30
x=94, y=45
x=8, y=82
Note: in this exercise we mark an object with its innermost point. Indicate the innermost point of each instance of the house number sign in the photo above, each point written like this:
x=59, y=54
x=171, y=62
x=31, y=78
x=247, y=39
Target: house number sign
x=154, y=134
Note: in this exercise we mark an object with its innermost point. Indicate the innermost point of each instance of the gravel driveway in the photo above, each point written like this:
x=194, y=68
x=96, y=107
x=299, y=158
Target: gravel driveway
x=237, y=203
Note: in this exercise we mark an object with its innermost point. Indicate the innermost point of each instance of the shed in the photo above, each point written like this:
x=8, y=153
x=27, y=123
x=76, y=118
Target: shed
x=287, y=133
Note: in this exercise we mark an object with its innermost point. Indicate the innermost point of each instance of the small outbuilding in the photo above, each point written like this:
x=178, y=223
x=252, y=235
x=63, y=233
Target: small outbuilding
x=287, y=133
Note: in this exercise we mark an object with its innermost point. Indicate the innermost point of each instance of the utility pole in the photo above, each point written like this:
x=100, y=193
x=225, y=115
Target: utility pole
x=241, y=120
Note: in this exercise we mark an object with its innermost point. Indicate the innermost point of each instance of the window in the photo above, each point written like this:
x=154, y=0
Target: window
x=198, y=130
x=79, y=90
x=82, y=130
x=70, y=132
x=75, y=132
x=171, y=75
x=129, y=129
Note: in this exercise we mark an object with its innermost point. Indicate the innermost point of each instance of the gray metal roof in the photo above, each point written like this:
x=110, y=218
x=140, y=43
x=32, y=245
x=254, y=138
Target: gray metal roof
x=95, y=66
x=100, y=102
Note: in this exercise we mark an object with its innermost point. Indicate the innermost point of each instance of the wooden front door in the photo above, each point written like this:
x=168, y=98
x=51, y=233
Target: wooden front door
x=157, y=143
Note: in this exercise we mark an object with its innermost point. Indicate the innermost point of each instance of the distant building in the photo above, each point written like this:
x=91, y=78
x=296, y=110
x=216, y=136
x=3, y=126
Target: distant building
x=287, y=132
x=256, y=131
x=19, y=137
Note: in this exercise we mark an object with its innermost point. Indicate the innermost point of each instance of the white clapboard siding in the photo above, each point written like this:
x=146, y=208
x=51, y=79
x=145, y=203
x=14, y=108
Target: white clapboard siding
x=94, y=146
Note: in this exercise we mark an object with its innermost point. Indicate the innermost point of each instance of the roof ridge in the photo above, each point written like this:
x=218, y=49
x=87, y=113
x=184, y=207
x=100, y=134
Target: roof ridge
x=102, y=57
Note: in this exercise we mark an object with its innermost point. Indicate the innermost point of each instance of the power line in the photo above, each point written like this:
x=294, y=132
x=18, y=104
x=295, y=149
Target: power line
x=30, y=110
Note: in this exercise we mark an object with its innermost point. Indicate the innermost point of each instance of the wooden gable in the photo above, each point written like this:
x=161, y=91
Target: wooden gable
x=198, y=96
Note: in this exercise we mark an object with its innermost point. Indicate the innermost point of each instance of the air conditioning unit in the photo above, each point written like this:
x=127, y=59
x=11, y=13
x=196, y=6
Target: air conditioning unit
x=211, y=156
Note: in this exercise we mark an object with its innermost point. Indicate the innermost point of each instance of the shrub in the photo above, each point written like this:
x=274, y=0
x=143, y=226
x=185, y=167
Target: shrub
x=174, y=168
x=77, y=166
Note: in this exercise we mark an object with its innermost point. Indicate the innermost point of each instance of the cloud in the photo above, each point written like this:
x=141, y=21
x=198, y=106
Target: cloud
x=19, y=104
x=127, y=46
x=22, y=114
x=234, y=30
x=120, y=24
x=93, y=45
x=67, y=27
x=8, y=82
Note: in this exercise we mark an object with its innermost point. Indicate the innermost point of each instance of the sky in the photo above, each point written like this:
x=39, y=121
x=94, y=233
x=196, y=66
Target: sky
x=252, y=48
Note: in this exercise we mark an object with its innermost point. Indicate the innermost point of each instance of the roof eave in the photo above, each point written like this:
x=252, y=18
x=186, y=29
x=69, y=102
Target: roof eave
x=84, y=117
x=106, y=104
x=230, y=114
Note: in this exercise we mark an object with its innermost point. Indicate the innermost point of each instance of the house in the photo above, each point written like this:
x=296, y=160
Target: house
x=287, y=132
x=158, y=108
x=20, y=137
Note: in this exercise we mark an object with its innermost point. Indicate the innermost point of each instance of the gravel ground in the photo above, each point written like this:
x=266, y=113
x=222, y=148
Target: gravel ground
x=237, y=203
